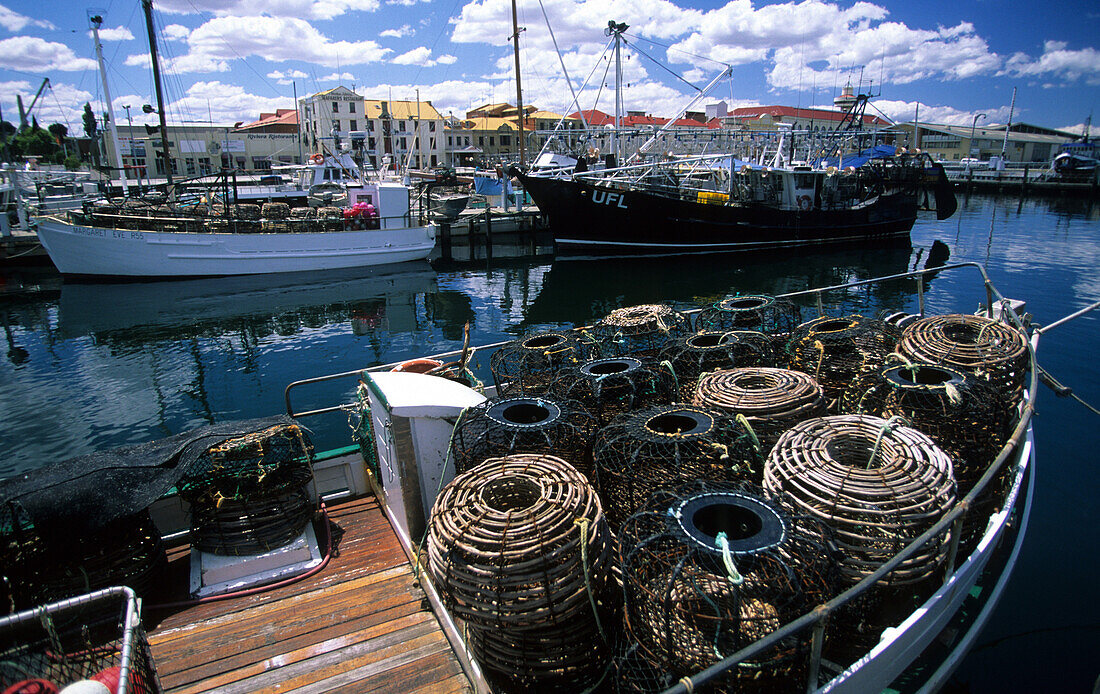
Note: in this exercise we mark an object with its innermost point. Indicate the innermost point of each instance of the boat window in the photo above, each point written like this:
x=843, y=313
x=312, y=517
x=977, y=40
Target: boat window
x=804, y=180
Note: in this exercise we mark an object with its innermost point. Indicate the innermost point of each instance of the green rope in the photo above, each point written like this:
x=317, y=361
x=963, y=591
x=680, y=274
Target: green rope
x=675, y=379
x=723, y=543
x=888, y=426
x=744, y=421
x=583, y=524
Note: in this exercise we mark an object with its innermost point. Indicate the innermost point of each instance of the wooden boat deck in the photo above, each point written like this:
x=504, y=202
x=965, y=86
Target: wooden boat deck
x=359, y=625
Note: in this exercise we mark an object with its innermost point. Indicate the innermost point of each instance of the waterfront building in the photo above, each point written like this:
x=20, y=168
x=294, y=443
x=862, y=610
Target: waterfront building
x=1026, y=143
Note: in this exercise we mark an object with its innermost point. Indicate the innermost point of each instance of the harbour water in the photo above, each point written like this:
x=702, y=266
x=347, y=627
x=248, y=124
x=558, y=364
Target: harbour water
x=92, y=366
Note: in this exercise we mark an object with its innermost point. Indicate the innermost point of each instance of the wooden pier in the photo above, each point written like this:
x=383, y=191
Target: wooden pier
x=362, y=624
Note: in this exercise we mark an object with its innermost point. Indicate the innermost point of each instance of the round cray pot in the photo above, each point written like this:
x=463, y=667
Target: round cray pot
x=250, y=525
x=879, y=484
x=257, y=465
x=503, y=426
x=959, y=411
x=772, y=400
x=665, y=445
x=982, y=346
x=690, y=356
x=710, y=567
x=639, y=331
x=527, y=365
x=837, y=350
x=615, y=385
x=43, y=565
x=758, y=312
x=520, y=551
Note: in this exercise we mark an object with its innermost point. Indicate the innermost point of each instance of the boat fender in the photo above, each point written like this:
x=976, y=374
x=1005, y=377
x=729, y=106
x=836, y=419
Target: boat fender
x=805, y=202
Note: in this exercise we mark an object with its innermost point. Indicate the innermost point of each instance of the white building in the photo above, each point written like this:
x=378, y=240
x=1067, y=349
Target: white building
x=404, y=133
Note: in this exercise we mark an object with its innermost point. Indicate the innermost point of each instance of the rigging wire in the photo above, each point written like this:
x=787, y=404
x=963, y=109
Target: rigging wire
x=665, y=67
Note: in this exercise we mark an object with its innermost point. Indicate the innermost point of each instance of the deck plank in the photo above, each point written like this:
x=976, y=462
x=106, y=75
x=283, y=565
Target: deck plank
x=360, y=625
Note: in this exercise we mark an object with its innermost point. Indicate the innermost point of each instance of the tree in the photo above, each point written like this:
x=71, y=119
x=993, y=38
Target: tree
x=59, y=130
x=90, y=128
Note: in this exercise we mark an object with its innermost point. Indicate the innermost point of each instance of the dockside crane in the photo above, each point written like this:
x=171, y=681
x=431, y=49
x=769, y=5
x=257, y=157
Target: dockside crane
x=25, y=114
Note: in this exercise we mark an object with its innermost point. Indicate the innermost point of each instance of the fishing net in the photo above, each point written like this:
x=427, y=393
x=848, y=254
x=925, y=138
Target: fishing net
x=80, y=638
x=879, y=484
x=757, y=312
x=666, y=445
x=982, y=346
x=690, y=356
x=527, y=365
x=503, y=426
x=639, y=331
x=248, y=494
x=46, y=563
x=959, y=411
x=772, y=400
x=710, y=567
x=522, y=554
x=837, y=350
x=616, y=385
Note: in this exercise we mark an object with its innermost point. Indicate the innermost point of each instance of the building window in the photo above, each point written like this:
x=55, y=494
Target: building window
x=371, y=144
x=431, y=143
x=351, y=107
x=190, y=164
x=480, y=141
x=204, y=165
x=353, y=124
x=505, y=141
x=240, y=163
x=491, y=143
x=450, y=141
x=335, y=106
x=431, y=126
x=370, y=126
x=261, y=163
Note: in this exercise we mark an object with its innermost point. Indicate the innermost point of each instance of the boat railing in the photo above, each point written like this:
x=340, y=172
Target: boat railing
x=952, y=522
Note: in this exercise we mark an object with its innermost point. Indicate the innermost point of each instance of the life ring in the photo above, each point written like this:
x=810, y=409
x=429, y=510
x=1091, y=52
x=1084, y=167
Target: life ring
x=418, y=366
x=317, y=159
x=805, y=203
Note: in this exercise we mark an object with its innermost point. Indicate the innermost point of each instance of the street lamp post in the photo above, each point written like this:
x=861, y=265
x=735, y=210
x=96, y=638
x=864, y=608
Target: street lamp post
x=970, y=155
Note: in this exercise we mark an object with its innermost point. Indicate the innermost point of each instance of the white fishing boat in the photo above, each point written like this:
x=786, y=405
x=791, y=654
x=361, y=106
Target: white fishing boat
x=190, y=241
x=355, y=614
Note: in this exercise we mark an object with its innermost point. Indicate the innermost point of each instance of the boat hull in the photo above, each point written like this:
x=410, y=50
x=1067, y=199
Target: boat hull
x=98, y=251
x=600, y=218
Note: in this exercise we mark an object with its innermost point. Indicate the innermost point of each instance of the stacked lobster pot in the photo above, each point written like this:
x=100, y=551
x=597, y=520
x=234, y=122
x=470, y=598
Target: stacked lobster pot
x=503, y=426
x=615, y=385
x=522, y=554
x=691, y=356
x=769, y=400
x=958, y=410
x=643, y=451
x=250, y=494
x=880, y=485
x=772, y=316
x=639, y=331
x=837, y=350
x=709, y=568
x=529, y=364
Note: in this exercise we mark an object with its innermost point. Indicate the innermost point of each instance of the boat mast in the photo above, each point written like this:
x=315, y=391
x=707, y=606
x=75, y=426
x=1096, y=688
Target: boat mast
x=96, y=21
x=1008, y=128
x=616, y=30
x=147, y=6
x=519, y=88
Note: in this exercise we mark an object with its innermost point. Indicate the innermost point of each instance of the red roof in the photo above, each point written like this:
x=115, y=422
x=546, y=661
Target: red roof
x=804, y=113
x=282, y=116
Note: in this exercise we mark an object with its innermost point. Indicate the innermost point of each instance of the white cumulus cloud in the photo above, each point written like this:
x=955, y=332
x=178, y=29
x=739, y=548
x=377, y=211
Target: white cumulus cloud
x=1058, y=61
x=307, y=9
x=32, y=54
x=338, y=77
x=13, y=21
x=404, y=30
x=119, y=33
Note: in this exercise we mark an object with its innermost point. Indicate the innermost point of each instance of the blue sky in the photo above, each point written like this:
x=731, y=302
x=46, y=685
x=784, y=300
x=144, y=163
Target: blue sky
x=228, y=60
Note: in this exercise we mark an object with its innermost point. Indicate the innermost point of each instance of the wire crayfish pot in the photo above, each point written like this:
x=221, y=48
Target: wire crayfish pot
x=503, y=426
x=639, y=331
x=527, y=365
x=982, y=346
x=615, y=385
x=759, y=312
x=249, y=494
x=837, y=350
x=691, y=356
x=772, y=400
x=667, y=445
x=710, y=567
x=959, y=411
x=521, y=552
